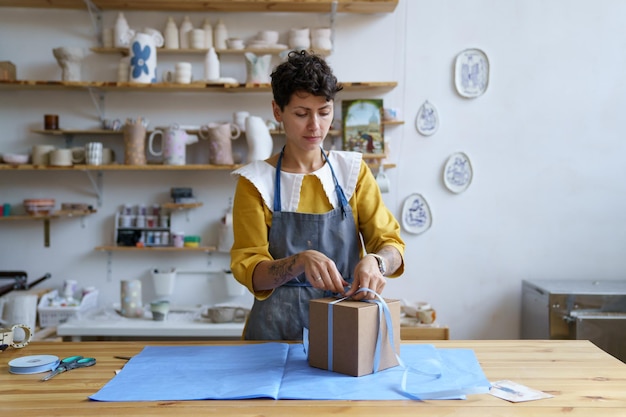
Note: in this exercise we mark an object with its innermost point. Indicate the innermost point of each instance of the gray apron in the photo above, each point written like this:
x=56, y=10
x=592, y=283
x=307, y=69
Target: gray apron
x=284, y=314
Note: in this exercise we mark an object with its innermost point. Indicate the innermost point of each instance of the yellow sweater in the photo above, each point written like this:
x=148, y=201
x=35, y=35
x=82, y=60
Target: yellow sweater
x=252, y=220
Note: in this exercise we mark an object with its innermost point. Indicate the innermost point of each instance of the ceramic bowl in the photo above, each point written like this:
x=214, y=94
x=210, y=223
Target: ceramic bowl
x=15, y=158
x=39, y=205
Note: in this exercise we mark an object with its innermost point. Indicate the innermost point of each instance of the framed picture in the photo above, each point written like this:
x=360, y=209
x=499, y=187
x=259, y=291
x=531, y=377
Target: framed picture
x=362, y=127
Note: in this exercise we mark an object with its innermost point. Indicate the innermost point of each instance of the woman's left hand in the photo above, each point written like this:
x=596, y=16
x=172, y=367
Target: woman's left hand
x=367, y=275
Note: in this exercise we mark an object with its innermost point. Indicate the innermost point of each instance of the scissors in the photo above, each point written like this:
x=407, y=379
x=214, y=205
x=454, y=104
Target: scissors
x=70, y=363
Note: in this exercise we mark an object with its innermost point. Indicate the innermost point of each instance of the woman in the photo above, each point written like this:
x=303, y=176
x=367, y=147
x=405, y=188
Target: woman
x=303, y=218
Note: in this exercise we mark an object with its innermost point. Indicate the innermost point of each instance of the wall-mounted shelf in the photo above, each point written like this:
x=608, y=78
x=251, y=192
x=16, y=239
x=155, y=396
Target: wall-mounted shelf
x=121, y=167
x=314, y=6
x=204, y=249
x=172, y=87
x=46, y=219
x=164, y=51
x=181, y=206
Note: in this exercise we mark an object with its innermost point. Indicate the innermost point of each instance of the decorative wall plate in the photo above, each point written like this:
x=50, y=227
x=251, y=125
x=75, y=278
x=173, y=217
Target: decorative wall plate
x=416, y=214
x=471, y=76
x=458, y=173
x=427, y=120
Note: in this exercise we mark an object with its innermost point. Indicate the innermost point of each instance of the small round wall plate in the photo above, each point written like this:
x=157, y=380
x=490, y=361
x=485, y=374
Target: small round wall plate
x=416, y=214
x=471, y=75
x=457, y=173
x=427, y=120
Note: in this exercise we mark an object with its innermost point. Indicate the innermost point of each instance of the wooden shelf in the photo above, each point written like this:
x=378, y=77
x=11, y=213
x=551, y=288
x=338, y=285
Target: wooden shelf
x=121, y=167
x=46, y=219
x=163, y=51
x=181, y=206
x=205, y=249
x=54, y=215
x=314, y=6
x=172, y=87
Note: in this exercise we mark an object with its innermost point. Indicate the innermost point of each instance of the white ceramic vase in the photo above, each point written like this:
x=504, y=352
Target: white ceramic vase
x=211, y=65
x=143, y=59
x=258, y=68
x=170, y=35
x=70, y=60
x=259, y=139
x=183, y=33
x=122, y=33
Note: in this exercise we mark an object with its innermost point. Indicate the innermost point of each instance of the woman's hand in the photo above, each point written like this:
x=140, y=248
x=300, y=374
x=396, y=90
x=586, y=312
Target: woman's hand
x=322, y=272
x=367, y=275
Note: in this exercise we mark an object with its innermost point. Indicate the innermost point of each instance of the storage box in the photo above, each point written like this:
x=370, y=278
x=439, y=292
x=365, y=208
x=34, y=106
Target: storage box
x=7, y=71
x=355, y=327
x=53, y=316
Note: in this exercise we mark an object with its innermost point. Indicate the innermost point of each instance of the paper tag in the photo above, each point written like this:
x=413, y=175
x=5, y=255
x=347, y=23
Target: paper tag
x=514, y=392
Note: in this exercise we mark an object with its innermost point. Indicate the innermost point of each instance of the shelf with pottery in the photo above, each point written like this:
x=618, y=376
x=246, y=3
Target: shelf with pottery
x=314, y=6
x=189, y=51
x=59, y=214
x=114, y=248
x=121, y=167
x=198, y=86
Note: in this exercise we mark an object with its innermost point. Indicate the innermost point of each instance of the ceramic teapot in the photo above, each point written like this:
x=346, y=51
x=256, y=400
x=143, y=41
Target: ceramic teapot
x=257, y=68
x=173, y=144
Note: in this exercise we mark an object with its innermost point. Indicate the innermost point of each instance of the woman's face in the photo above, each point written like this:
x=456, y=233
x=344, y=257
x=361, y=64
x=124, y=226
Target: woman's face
x=306, y=120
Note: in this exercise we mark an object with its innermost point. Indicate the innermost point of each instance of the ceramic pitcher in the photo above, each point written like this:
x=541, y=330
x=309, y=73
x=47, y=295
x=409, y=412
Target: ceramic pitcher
x=143, y=58
x=174, y=141
x=259, y=139
x=257, y=68
x=220, y=136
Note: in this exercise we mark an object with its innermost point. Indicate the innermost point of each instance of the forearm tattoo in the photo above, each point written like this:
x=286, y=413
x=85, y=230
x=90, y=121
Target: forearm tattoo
x=393, y=258
x=282, y=270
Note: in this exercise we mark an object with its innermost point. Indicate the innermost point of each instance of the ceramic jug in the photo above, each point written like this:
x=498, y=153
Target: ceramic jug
x=143, y=59
x=257, y=68
x=259, y=139
x=220, y=136
x=173, y=144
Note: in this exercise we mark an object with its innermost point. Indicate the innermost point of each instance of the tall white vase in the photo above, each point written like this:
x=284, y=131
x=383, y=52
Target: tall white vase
x=220, y=35
x=183, y=31
x=171, y=34
x=143, y=59
x=211, y=65
x=208, y=34
x=259, y=139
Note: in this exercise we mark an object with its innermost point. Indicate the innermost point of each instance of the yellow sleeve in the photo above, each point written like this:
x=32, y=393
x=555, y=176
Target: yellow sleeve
x=251, y=222
x=374, y=220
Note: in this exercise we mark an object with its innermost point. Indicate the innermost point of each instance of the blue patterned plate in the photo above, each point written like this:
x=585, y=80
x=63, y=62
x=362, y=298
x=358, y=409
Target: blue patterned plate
x=416, y=215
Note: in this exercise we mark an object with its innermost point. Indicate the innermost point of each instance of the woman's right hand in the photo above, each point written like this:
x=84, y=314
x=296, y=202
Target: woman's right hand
x=322, y=272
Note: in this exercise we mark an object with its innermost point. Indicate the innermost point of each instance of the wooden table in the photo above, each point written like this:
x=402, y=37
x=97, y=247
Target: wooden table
x=584, y=380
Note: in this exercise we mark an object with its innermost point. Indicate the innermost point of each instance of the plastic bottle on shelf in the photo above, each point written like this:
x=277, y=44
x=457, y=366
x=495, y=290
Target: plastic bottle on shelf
x=185, y=28
x=220, y=35
x=211, y=66
x=171, y=34
x=208, y=33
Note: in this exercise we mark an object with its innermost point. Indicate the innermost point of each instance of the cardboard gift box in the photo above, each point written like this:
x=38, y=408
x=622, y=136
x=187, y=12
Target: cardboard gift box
x=355, y=326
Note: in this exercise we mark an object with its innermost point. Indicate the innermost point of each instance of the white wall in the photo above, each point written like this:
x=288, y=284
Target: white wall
x=544, y=140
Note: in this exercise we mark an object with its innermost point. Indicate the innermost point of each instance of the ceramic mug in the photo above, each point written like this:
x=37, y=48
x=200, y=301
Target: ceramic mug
x=226, y=314
x=108, y=156
x=93, y=153
x=78, y=155
x=41, y=154
x=7, y=336
x=61, y=157
x=21, y=308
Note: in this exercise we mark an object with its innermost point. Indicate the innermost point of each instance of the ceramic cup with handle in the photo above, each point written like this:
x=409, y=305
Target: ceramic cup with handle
x=41, y=154
x=93, y=153
x=20, y=308
x=226, y=314
x=220, y=136
x=7, y=336
x=383, y=180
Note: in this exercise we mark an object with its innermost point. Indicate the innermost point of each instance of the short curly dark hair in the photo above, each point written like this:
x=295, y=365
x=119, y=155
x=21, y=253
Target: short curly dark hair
x=306, y=72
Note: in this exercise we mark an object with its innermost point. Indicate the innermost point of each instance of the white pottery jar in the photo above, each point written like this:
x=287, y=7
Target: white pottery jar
x=220, y=35
x=299, y=39
x=183, y=33
x=122, y=33
x=171, y=34
x=211, y=66
x=321, y=39
x=259, y=139
x=143, y=59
